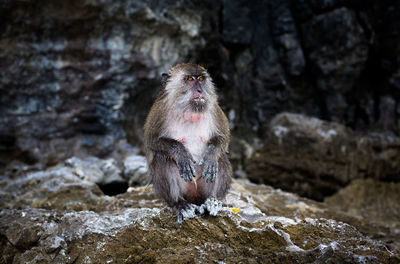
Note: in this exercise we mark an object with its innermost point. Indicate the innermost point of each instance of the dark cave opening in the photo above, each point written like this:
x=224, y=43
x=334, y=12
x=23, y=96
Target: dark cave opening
x=114, y=188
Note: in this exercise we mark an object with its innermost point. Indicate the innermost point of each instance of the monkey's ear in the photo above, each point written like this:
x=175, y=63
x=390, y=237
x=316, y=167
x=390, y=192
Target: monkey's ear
x=164, y=79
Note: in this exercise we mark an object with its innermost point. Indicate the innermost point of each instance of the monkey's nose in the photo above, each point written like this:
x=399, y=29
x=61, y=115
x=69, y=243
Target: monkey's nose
x=198, y=87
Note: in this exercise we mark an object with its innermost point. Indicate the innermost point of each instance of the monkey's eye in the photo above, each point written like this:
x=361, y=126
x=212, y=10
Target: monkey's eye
x=190, y=78
x=200, y=78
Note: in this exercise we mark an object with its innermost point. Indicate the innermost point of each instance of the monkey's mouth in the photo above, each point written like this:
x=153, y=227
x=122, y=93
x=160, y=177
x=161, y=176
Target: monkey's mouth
x=198, y=104
x=199, y=100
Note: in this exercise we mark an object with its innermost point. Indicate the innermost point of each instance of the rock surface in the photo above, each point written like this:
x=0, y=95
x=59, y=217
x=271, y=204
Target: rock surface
x=373, y=201
x=55, y=216
x=316, y=158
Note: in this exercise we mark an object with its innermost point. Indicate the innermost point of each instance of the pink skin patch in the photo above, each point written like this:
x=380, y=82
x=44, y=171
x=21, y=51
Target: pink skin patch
x=192, y=117
x=196, y=118
x=203, y=139
x=192, y=190
x=183, y=140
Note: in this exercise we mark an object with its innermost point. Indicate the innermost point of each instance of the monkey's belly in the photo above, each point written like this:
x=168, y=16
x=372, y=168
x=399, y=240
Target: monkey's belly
x=194, y=191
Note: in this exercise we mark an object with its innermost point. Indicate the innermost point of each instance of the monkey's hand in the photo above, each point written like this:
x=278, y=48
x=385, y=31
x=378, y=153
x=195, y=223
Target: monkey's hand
x=185, y=165
x=210, y=162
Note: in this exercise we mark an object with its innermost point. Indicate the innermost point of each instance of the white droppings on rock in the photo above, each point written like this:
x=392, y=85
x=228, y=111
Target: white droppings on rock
x=280, y=131
x=311, y=221
x=87, y=222
x=250, y=210
x=322, y=248
x=285, y=221
x=235, y=199
x=326, y=135
x=290, y=245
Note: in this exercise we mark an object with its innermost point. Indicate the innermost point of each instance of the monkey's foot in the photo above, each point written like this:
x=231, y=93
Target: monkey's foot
x=211, y=205
x=187, y=212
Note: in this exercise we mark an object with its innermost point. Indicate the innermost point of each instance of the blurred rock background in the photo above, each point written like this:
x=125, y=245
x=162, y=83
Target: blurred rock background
x=311, y=89
x=77, y=78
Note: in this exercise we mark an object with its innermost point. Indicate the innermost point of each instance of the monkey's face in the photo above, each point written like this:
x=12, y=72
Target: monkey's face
x=195, y=86
x=192, y=88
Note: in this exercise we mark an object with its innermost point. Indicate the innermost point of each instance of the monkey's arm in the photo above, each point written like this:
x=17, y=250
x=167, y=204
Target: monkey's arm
x=168, y=147
x=215, y=146
x=175, y=150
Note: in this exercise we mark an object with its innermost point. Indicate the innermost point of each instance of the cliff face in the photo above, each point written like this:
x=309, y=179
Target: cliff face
x=77, y=76
x=73, y=73
x=337, y=60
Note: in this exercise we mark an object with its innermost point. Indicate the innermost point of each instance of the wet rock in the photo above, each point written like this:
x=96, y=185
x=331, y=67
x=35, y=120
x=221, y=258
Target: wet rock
x=375, y=202
x=58, y=188
x=113, y=176
x=316, y=158
x=266, y=225
x=135, y=170
x=371, y=200
x=105, y=173
x=95, y=170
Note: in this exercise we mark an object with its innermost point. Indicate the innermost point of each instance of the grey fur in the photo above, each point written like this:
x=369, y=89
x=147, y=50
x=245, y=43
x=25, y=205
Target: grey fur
x=187, y=187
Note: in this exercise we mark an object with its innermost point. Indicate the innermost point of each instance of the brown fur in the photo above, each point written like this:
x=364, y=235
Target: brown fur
x=163, y=153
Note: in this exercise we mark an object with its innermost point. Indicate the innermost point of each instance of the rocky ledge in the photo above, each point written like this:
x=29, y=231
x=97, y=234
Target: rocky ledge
x=58, y=216
x=317, y=158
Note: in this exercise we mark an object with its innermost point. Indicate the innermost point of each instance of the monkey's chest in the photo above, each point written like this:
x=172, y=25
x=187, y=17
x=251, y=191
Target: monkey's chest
x=193, y=135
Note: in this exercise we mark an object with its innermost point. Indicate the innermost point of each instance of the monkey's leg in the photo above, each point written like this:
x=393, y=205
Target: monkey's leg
x=216, y=191
x=165, y=177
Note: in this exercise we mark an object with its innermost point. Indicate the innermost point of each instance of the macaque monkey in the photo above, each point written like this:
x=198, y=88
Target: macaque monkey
x=186, y=137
